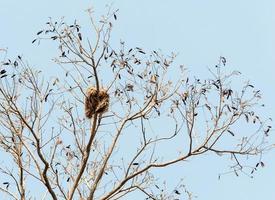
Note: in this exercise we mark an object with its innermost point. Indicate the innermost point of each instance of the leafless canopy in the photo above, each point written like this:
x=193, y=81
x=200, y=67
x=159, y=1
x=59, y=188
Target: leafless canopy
x=64, y=143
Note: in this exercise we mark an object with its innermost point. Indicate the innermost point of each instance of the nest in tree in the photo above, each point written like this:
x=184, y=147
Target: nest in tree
x=96, y=101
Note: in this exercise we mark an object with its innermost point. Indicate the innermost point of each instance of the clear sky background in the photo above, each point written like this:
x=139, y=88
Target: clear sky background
x=200, y=31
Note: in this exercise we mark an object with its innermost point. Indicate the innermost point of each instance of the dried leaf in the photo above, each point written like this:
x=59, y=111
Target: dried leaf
x=54, y=37
x=246, y=118
x=223, y=59
x=177, y=192
x=39, y=32
x=231, y=132
x=262, y=164
x=140, y=51
x=79, y=36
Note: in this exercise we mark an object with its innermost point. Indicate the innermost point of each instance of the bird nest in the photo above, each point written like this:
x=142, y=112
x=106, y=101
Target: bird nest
x=96, y=101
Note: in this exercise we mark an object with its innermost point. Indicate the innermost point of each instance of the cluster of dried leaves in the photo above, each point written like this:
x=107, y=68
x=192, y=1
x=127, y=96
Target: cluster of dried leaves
x=52, y=147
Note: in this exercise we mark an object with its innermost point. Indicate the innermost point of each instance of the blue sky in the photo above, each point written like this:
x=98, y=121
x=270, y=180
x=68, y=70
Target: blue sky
x=200, y=31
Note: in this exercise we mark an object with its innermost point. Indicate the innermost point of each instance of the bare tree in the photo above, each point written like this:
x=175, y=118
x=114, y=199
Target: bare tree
x=137, y=103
